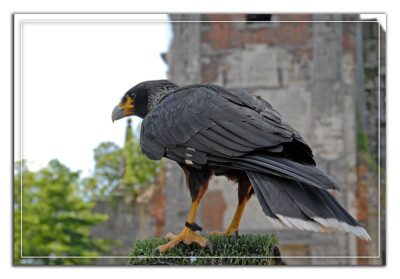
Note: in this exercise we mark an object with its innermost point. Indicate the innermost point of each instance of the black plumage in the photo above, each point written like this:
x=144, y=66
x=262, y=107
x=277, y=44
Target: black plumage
x=210, y=130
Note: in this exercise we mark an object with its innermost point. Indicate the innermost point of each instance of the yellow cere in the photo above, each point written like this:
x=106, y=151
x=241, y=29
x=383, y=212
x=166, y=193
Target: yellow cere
x=128, y=105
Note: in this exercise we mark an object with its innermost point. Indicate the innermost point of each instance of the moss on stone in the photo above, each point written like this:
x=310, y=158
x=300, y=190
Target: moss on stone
x=362, y=140
x=364, y=153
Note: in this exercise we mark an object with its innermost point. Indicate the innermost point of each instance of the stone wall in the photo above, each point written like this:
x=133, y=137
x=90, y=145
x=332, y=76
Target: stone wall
x=122, y=225
x=130, y=218
x=308, y=72
x=371, y=159
x=322, y=76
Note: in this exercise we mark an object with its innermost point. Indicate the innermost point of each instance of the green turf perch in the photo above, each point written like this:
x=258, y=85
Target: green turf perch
x=247, y=250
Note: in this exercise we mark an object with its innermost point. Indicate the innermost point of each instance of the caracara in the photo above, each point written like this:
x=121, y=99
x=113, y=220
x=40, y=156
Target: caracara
x=211, y=130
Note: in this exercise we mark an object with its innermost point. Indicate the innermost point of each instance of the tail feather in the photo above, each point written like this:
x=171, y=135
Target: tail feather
x=266, y=207
x=301, y=206
x=286, y=211
x=294, y=195
x=282, y=167
x=279, y=167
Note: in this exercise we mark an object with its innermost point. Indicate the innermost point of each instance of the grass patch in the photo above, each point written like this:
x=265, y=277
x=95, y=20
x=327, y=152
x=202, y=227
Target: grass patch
x=247, y=250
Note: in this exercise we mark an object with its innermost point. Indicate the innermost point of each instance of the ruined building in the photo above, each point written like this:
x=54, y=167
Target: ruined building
x=325, y=74
x=321, y=73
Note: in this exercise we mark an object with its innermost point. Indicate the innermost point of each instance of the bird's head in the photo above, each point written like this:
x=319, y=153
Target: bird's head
x=142, y=98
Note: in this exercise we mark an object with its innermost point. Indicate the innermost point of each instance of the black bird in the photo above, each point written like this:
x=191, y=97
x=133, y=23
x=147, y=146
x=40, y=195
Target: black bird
x=211, y=130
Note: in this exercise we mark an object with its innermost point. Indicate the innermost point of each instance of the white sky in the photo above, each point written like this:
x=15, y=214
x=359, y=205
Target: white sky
x=380, y=17
x=73, y=74
x=75, y=68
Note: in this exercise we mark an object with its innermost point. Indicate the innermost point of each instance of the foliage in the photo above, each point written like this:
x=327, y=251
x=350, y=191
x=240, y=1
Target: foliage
x=364, y=151
x=138, y=169
x=247, y=250
x=362, y=140
x=107, y=171
x=55, y=218
x=125, y=168
x=56, y=204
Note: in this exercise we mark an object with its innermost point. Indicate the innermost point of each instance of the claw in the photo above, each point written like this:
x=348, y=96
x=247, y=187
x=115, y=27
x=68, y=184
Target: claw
x=210, y=246
x=236, y=235
x=155, y=250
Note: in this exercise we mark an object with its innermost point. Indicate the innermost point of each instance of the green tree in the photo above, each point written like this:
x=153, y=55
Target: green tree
x=55, y=218
x=138, y=170
x=107, y=172
x=124, y=169
x=56, y=203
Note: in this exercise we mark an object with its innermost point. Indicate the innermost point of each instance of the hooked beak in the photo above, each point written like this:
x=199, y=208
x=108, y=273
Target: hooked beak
x=118, y=113
x=124, y=108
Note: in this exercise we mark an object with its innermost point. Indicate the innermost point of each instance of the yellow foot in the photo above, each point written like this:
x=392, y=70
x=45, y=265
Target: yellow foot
x=229, y=231
x=186, y=236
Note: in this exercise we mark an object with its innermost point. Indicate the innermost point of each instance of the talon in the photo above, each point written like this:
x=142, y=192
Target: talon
x=155, y=250
x=187, y=236
x=236, y=235
x=210, y=246
x=170, y=236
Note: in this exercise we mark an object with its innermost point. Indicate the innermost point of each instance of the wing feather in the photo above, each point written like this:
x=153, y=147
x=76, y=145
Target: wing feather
x=216, y=121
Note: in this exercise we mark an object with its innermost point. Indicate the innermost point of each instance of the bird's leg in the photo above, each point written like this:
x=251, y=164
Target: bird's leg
x=188, y=234
x=245, y=192
x=234, y=226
